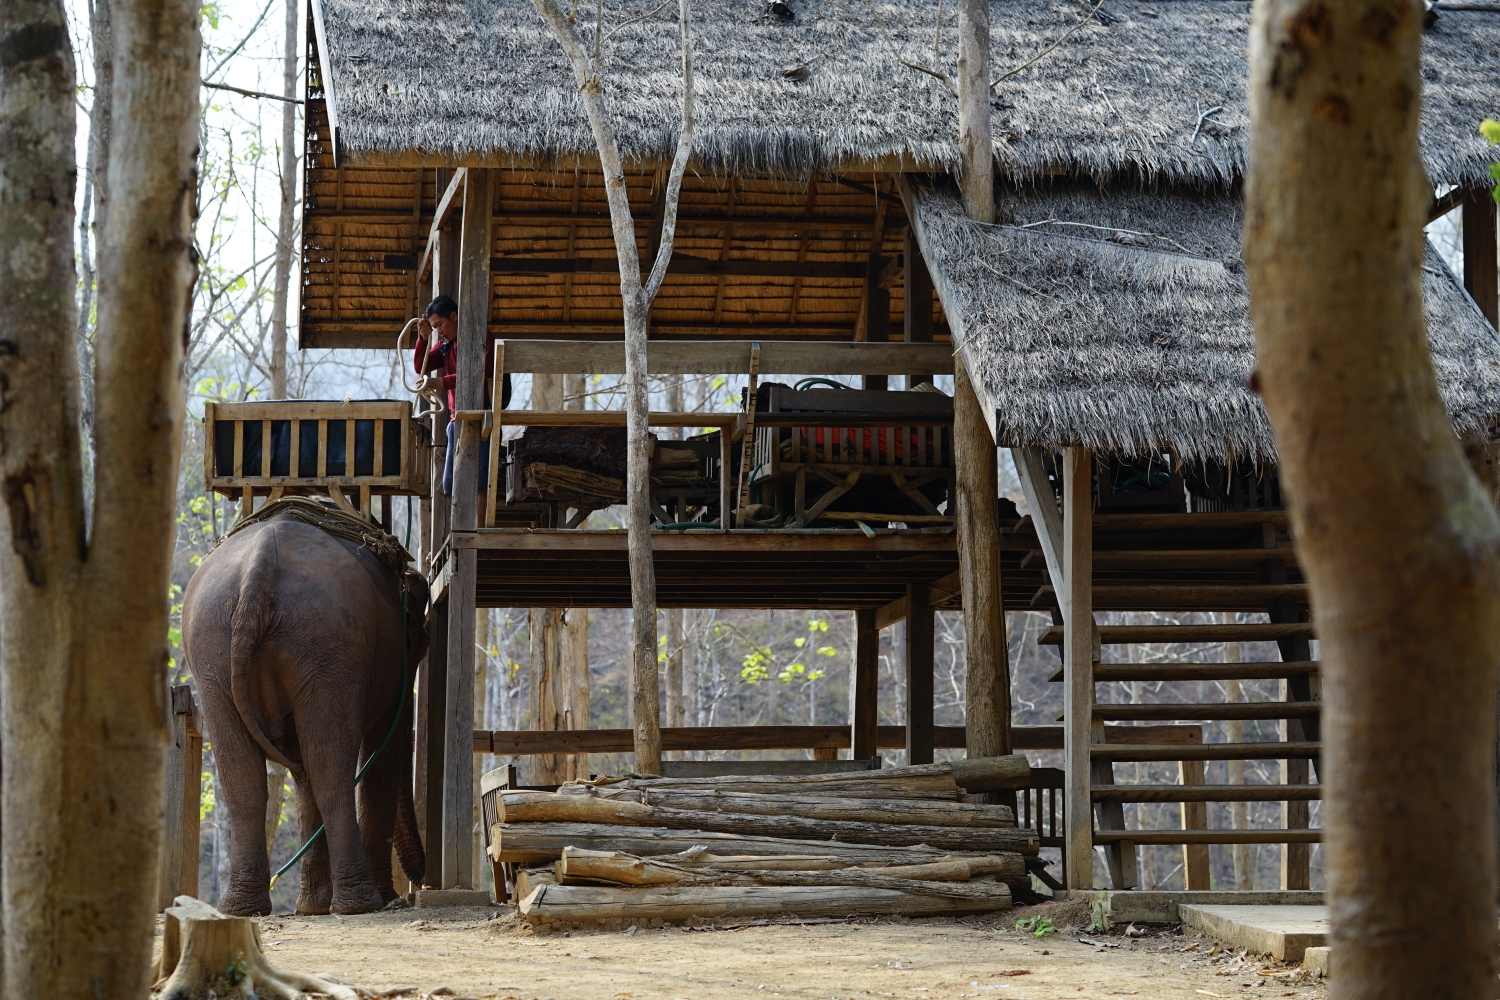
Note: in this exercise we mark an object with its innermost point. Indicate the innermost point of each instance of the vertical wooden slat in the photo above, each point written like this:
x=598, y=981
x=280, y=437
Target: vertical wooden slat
x=379, y=466
x=864, y=710
x=239, y=449
x=1481, y=266
x=920, y=635
x=497, y=397
x=210, y=443
x=265, y=449
x=323, y=449
x=1078, y=665
x=294, y=457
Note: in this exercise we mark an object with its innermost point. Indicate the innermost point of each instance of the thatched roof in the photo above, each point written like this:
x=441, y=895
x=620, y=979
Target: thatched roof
x=1129, y=330
x=434, y=82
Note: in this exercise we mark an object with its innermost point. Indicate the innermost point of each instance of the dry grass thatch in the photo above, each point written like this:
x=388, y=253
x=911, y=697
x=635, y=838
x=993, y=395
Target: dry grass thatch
x=1129, y=329
x=457, y=80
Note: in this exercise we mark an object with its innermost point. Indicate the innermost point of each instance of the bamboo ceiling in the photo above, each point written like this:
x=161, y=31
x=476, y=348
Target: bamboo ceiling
x=808, y=247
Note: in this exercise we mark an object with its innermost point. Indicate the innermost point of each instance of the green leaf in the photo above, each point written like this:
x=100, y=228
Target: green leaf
x=1490, y=129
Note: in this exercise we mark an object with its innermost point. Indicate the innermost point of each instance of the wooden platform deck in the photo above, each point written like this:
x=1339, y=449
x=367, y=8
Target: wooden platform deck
x=1183, y=562
x=830, y=569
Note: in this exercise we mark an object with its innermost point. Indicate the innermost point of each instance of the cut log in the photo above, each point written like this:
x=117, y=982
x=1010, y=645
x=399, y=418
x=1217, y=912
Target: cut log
x=583, y=867
x=576, y=903
x=528, y=879
x=1007, y=867
x=983, y=839
x=992, y=774
x=635, y=806
x=207, y=954
x=527, y=843
x=902, y=782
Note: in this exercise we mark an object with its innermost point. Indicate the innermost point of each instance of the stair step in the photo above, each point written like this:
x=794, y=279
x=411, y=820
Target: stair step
x=1193, y=597
x=1273, y=669
x=1217, y=710
x=1270, y=750
x=1209, y=836
x=1207, y=793
x=1200, y=559
x=1111, y=635
x=1223, y=519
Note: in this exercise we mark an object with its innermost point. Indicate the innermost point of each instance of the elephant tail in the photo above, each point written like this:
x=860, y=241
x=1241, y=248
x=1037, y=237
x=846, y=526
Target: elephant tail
x=408, y=841
x=247, y=624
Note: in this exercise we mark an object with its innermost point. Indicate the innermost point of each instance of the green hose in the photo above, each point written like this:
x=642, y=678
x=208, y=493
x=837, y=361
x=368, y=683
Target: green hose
x=400, y=707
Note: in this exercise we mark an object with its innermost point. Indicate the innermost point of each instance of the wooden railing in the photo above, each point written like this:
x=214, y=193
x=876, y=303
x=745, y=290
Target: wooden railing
x=365, y=448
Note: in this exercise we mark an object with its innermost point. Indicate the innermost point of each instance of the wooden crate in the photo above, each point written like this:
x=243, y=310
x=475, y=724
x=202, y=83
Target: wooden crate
x=302, y=446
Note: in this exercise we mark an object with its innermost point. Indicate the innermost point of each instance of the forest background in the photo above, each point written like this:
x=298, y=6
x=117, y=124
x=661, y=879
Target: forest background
x=740, y=667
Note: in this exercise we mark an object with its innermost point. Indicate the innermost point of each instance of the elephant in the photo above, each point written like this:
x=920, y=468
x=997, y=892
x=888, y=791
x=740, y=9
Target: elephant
x=294, y=636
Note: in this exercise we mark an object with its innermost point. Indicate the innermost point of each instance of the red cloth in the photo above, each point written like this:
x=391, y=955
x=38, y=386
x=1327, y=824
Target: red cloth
x=444, y=355
x=869, y=441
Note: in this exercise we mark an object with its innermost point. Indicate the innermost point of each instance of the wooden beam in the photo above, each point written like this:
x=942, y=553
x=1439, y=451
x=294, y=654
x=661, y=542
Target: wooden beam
x=680, y=264
x=178, y=871
x=696, y=357
x=864, y=702
x=889, y=614
x=578, y=741
x=1481, y=267
x=1078, y=665
x=439, y=221
x=919, y=677
x=432, y=707
x=1045, y=519
x=874, y=323
x=821, y=540
x=473, y=323
x=917, y=308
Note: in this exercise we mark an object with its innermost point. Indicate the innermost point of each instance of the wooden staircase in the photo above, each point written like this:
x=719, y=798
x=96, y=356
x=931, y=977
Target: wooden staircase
x=1172, y=564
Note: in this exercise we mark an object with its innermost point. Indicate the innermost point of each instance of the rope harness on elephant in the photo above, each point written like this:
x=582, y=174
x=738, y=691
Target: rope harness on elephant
x=385, y=547
x=323, y=514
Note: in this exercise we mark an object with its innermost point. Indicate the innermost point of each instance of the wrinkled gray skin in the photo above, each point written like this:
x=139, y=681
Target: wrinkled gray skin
x=294, y=638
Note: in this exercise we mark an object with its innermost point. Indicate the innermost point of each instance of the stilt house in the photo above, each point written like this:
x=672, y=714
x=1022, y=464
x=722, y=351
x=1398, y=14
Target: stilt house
x=1102, y=323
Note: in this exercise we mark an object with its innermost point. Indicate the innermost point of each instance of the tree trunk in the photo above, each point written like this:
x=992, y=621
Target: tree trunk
x=975, y=146
x=1399, y=543
x=637, y=298
x=573, y=630
x=627, y=869
x=84, y=728
x=548, y=695
x=286, y=225
x=206, y=954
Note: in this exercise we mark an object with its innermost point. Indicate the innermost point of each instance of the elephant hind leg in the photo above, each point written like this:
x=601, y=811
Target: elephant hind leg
x=241, y=770
x=315, y=897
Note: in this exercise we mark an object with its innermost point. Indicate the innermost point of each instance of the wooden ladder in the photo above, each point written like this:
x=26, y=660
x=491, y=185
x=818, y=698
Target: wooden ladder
x=1198, y=563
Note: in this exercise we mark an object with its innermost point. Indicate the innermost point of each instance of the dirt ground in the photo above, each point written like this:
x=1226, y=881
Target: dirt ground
x=477, y=953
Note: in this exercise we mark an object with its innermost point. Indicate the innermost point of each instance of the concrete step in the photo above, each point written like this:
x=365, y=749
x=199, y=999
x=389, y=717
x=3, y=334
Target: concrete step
x=1283, y=932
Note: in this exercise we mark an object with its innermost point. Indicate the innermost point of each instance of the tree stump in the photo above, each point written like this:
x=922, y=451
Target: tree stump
x=206, y=954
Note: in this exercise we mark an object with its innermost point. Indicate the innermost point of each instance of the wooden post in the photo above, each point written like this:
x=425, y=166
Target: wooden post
x=432, y=703
x=864, y=712
x=919, y=692
x=1195, y=861
x=1078, y=664
x=475, y=247
x=975, y=145
x=874, y=323
x=977, y=478
x=917, y=308
x=1481, y=267
x=179, y=849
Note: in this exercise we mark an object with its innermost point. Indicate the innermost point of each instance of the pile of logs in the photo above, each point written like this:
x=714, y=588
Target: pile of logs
x=915, y=841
